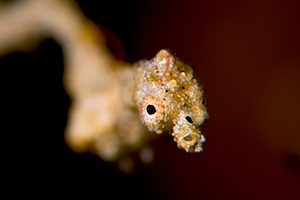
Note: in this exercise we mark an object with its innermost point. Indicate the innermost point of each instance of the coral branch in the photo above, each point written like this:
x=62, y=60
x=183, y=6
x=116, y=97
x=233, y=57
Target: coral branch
x=101, y=118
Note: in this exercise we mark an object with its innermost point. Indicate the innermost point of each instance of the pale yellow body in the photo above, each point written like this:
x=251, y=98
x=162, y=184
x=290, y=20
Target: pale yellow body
x=170, y=99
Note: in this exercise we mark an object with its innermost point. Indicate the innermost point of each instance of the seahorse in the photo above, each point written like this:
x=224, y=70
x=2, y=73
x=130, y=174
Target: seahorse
x=103, y=117
x=170, y=99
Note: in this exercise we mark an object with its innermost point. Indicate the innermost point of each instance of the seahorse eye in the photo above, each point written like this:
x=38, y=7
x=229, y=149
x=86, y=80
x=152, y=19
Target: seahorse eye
x=189, y=119
x=150, y=109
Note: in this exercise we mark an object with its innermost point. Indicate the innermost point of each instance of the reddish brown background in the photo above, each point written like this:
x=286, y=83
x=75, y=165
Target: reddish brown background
x=247, y=55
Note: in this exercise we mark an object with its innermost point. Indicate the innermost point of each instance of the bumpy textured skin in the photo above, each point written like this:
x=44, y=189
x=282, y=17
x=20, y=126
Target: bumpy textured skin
x=170, y=99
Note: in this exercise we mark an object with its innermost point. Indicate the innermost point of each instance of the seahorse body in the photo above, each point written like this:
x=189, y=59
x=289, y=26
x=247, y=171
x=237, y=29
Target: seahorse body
x=170, y=99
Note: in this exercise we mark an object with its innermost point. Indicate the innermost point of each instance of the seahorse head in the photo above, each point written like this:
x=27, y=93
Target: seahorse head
x=169, y=99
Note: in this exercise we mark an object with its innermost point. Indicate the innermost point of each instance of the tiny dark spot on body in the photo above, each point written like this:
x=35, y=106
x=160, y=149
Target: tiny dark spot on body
x=183, y=87
x=188, y=138
x=189, y=119
x=164, y=99
x=166, y=90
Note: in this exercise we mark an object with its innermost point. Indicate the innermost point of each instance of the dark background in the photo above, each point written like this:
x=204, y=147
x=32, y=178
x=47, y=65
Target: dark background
x=247, y=55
